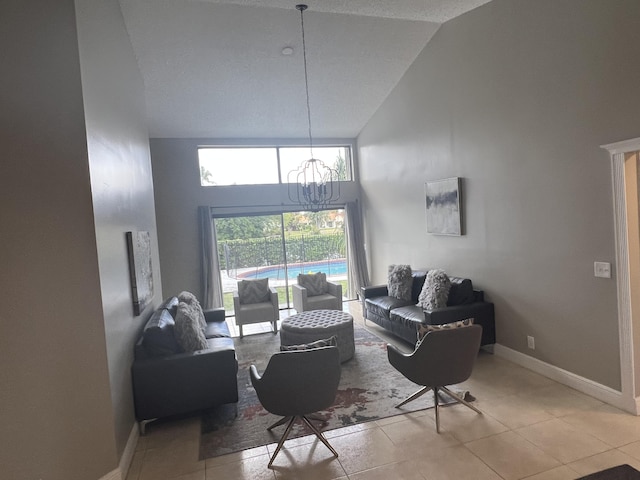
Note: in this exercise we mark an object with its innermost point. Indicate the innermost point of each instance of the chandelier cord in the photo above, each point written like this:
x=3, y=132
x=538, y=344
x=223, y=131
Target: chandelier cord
x=302, y=8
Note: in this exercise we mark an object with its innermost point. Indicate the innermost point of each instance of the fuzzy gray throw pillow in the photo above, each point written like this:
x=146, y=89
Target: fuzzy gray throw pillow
x=400, y=282
x=188, y=330
x=435, y=290
x=190, y=299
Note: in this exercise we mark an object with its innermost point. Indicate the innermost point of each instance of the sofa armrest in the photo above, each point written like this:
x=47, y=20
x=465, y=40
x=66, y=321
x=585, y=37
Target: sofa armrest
x=185, y=382
x=374, y=291
x=214, y=315
x=334, y=289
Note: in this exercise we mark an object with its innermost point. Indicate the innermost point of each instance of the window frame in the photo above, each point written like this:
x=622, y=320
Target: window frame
x=348, y=148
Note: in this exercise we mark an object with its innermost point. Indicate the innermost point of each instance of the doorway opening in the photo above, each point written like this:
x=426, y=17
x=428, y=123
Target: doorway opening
x=279, y=247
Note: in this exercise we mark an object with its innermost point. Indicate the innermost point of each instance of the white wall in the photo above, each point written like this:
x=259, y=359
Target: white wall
x=515, y=97
x=121, y=185
x=56, y=416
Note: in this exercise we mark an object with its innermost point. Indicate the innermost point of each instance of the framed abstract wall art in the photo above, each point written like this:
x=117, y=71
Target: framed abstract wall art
x=444, y=215
x=139, y=252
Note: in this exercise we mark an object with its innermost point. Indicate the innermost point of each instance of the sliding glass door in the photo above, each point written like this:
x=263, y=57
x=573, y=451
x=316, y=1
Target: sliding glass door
x=279, y=247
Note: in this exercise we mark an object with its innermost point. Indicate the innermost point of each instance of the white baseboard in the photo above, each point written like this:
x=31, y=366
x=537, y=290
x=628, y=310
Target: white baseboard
x=129, y=450
x=584, y=385
x=113, y=475
x=120, y=473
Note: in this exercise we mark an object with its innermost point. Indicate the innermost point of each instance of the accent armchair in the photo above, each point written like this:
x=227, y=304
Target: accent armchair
x=443, y=357
x=256, y=302
x=314, y=292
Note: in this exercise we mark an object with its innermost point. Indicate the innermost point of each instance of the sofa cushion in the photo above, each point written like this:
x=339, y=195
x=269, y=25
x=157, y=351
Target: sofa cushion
x=381, y=306
x=435, y=290
x=315, y=283
x=325, y=342
x=253, y=291
x=410, y=316
x=400, y=281
x=158, y=338
x=461, y=292
x=189, y=331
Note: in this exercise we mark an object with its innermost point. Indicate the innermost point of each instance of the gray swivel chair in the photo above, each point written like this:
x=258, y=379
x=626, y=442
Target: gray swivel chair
x=296, y=384
x=443, y=357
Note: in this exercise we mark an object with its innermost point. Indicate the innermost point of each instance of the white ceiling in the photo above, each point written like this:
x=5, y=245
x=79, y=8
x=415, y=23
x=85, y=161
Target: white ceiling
x=214, y=68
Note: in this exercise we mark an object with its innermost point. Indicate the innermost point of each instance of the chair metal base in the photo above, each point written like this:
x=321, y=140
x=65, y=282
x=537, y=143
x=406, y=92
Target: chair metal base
x=424, y=390
x=307, y=421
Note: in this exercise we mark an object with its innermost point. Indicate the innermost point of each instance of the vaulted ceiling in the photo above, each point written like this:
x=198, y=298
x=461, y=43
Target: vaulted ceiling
x=216, y=68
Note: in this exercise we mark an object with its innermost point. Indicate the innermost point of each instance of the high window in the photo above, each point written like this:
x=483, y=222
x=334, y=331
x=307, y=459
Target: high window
x=265, y=165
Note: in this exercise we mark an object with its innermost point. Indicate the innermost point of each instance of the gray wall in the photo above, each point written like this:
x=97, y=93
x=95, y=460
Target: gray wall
x=121, y=183
x=77, y=175
x=56, y=415
x=176, y=179
x=515, y=97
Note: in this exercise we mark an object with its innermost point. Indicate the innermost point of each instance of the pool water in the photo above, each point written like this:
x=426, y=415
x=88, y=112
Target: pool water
x=276, y=272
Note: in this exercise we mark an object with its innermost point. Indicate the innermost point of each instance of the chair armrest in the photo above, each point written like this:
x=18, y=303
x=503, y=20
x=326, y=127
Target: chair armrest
x=397, y=359
x=255, y=376
x=299, y=297
x=273, y=297
x=335, y=289
x=236, y=302
x=214, y=315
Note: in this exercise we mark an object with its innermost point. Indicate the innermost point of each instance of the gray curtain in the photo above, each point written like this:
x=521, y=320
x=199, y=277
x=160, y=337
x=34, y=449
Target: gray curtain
x=210, y=266
x=358, y=271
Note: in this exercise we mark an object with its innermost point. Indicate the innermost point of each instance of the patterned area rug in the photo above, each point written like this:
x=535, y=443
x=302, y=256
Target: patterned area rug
x=369, y=390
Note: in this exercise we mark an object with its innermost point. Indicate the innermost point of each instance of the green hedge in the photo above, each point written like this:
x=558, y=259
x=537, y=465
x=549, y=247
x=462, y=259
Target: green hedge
x=264, y=251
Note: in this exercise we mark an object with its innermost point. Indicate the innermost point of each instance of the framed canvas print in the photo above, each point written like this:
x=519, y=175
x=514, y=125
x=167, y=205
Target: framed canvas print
x=139, y=252
x=444, y=216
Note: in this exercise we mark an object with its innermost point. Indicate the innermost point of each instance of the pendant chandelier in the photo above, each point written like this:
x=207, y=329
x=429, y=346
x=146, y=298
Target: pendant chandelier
x=314, y=185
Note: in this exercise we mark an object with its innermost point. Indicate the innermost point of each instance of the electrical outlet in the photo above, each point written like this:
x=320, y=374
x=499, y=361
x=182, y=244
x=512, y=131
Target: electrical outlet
x=531, y=342
x=602, y=269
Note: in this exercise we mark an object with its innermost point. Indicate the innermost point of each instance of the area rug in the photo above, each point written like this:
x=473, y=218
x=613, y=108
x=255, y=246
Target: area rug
x=621, y=472
x=369, y=390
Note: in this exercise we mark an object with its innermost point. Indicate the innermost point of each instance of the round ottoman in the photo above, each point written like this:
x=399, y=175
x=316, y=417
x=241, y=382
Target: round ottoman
x=307, y=327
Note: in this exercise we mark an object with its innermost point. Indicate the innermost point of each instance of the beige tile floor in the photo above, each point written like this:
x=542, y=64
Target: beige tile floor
x=531, y=427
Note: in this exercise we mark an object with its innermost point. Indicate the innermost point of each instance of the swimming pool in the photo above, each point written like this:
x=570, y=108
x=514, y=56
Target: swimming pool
x=330, y=267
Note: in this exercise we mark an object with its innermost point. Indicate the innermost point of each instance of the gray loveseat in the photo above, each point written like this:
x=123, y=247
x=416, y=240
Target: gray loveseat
x=404, y=317
x=169, y=381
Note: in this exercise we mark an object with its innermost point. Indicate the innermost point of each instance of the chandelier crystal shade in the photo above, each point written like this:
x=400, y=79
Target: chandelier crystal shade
x=314, y=185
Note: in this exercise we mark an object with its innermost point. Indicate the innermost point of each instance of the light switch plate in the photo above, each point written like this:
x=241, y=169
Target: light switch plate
x=602, y=269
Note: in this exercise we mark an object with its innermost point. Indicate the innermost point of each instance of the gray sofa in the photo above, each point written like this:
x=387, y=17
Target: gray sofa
x=404, y=317
x=169, y=381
